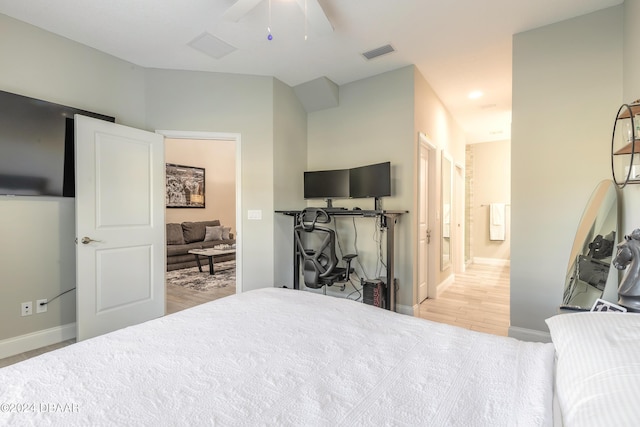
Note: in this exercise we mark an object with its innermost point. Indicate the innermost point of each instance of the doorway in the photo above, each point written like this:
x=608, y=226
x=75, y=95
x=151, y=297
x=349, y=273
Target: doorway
x=220, y=156
x=426, y=215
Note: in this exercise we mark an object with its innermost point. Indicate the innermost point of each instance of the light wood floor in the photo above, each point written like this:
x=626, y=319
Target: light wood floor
x=477, y=300
x=178, y=298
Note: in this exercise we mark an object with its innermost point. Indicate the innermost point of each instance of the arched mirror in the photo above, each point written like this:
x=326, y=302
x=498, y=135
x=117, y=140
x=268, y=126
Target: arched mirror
x=445, y=244
x=590, y=272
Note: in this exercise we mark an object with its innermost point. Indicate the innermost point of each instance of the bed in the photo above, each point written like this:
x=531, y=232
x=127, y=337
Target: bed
x=280, y=357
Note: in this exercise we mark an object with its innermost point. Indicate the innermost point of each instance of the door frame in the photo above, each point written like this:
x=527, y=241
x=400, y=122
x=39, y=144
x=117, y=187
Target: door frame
x=237, y=139
x=459, y=265
x=424, y=142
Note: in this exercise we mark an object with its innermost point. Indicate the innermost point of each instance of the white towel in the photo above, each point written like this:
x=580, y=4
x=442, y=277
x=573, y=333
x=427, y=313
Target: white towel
x=496, y=221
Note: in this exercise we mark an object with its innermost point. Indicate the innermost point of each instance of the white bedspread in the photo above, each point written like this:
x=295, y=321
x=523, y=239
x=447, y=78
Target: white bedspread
x=283, y=357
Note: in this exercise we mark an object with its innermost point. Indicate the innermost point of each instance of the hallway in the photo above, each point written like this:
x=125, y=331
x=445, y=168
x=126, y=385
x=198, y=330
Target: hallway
x=478, y=299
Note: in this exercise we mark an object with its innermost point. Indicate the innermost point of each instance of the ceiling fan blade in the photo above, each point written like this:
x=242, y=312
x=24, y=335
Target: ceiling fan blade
x=239, y=9
x=316, y=16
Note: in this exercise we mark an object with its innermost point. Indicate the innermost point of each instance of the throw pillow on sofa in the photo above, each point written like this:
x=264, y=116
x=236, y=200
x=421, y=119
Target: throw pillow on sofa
x=213, y=233
x=225, y=233
x=174, y=234
x=195, y=231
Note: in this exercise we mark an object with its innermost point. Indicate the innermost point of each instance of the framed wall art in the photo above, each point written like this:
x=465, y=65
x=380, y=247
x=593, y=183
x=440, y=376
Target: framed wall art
x=185, y=186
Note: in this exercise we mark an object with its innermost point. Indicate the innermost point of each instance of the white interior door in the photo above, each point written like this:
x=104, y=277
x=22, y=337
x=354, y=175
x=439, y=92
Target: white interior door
x=120, y=252
x=423, y=225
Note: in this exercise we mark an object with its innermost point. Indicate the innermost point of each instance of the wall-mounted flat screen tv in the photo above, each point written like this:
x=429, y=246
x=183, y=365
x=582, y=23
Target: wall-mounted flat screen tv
x=37, y=146
x=370, y=181
x=329, y=184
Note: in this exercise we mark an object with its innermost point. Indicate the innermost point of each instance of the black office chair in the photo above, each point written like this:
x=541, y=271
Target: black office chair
x=317, y=248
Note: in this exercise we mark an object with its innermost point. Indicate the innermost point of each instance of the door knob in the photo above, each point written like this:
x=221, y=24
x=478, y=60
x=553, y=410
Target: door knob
x=86, y=240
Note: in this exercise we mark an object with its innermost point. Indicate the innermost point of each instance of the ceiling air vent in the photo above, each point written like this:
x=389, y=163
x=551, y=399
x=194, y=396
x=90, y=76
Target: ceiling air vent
x=379, y=51
x=211, y=45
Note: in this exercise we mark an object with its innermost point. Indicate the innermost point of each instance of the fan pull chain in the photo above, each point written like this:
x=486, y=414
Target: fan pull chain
x=269, y=35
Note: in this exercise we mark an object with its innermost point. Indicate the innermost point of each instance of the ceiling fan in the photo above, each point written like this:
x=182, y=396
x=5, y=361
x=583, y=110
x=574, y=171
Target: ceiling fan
x=314, y=13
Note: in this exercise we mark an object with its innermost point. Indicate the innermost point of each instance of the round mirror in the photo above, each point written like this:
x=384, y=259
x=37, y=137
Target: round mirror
x=590, y=272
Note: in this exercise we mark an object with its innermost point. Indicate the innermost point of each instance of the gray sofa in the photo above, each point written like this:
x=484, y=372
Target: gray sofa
x=181, y=238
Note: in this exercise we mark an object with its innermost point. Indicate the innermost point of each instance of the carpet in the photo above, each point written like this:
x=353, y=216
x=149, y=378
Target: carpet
x=224, y=275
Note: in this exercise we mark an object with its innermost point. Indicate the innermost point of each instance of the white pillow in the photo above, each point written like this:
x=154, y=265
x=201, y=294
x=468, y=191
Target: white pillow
x=213, y=233
x=598, y=368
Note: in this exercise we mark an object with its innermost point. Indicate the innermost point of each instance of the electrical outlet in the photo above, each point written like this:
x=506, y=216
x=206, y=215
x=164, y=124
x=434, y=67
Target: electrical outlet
x=26, y=308
x=41, y=306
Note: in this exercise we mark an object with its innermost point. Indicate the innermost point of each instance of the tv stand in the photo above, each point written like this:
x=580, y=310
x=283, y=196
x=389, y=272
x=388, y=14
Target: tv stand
x=388, y=220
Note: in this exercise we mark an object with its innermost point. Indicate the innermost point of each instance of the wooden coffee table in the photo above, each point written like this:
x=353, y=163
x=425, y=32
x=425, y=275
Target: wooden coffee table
x=210, y=253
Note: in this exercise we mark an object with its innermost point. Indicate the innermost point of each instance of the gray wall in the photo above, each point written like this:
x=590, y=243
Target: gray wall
x=567, y=86
x=630, y=195
x=215, y=102
x=37, y=257
x=289, y=164
x=371, y=124
x=37, y=254
x=378, y=120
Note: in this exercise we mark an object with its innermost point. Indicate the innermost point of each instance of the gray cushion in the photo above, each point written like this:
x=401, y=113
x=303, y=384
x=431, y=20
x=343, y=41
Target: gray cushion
x=213, y=233
x=195, y=231
x=225, y=233
x=174, y=234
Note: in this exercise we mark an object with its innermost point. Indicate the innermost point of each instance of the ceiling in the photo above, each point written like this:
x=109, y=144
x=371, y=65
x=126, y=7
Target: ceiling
x=458, y=45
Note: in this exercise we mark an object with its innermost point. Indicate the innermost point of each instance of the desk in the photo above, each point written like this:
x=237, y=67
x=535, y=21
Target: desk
x=388, y=220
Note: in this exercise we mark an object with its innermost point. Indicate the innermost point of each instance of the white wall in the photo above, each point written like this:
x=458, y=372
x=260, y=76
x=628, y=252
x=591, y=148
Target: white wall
x=491, y=184
x=567, y=86
x=432, y=118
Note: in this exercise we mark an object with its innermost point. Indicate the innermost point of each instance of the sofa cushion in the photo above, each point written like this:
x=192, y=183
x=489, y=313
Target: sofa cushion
x=174, y=250
x=174, y=234
x=195, y=231
x=226, y=233
x=213, y=233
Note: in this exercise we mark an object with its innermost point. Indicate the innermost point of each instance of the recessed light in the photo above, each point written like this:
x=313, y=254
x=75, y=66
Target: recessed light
x=475, y=94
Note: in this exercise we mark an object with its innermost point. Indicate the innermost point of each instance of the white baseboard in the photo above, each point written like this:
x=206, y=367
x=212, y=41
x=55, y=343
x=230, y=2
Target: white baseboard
x=525, y=334
x=442, y=286
x=407, y=309
x=16, y=345
x=492, y=261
